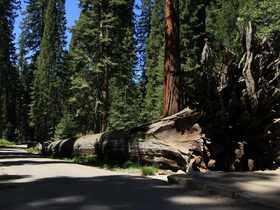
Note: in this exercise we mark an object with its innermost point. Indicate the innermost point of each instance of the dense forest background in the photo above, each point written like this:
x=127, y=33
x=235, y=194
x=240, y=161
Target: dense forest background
x=112, y=75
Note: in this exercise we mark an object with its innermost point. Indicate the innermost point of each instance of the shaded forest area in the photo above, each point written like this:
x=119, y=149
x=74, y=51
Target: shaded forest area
x=123, y=70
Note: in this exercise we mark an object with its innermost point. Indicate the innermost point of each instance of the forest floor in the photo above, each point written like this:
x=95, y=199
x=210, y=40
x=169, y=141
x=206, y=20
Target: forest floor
x=29, y=182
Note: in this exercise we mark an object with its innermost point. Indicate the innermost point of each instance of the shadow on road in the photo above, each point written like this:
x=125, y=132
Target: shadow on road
x=106, y=193
x=9, y=177
x=112, y=192
x=29, y=162
x=10, y=153
x=8, y=157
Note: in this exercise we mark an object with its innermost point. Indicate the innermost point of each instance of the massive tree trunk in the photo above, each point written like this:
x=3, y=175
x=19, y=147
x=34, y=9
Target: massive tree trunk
x=166, y=143
x=172, y=59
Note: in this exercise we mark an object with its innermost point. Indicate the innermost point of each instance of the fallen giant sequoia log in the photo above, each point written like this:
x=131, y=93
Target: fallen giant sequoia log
x=240, y=125
x=166, y=143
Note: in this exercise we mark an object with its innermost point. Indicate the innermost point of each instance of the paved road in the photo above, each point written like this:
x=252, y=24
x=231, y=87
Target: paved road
x=31, y=183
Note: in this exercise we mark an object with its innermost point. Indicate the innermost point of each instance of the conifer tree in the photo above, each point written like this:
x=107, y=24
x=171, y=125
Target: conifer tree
x=154, y=63
x=264, y=13
x=172, y=66
x=222, y=22
x=192, y=35
x=192, y=32
x=32, y=29
x=26, y=79
x=124, y=94
x=102, y=52
x=46, y=105
x=89, y=83
x=8, y=71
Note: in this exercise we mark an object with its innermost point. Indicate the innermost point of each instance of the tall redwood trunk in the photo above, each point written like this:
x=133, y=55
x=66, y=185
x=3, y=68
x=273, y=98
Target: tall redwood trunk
x=172, y=59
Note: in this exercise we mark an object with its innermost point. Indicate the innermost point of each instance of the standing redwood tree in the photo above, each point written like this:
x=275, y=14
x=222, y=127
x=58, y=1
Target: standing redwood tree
x=172, y=59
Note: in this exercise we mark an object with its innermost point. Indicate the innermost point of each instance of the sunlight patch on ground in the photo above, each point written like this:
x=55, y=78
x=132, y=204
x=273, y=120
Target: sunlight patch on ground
x=59, y=200
x=193, y=200
x=260, y=187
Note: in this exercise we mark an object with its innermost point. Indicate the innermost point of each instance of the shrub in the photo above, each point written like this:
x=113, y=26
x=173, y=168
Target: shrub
x=86, y=160
x=130, y=164
x=34, y=150
x=149, y=170
x=5, y=143
x=66, y=128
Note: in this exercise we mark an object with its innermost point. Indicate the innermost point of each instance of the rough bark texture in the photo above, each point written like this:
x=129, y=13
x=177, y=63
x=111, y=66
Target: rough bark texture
x=248, y=67
x=166, y=143
x=172, y=59
x=242, y=132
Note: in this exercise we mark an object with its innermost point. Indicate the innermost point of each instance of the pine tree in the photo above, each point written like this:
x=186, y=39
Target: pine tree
x=32, y=29
x=154, y=63
x=46, y=105
x=192, y=32
x=221, y=22
x=264, y=14
x=8, y=71
x=102, y=52
x=192, y=35
x=26, y=80
x=124, y=92
x=89, y=83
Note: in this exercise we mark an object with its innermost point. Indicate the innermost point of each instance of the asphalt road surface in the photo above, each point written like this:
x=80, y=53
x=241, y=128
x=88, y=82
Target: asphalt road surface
x=28, y=182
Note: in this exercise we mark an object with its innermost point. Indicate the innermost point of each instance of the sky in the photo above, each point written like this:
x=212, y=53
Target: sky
x=72, y=14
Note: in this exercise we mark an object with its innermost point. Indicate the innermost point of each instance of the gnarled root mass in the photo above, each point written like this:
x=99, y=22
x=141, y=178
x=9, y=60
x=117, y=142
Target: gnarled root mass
x=242, y=131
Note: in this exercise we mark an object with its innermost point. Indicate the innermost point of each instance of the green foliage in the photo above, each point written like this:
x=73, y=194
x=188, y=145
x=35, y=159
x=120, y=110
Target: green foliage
x=66, y=128
x=192, y=33
x=149, y=170
x=135, y=168
x=130, y=164
x=128, y=167
x=85, y=160
x=8, y=72
x=96, y=87
x=86, y=100
x=32, y=29
x=102, y=52
x=5, y=143
x=47, y=93
x=221, y=22
x=265, y=14
x=192, y=40
x=123, y=91
x=34, y=150
x=154, y=63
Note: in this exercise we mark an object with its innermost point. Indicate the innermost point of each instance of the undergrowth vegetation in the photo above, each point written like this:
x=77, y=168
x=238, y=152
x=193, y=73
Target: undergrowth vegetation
x=128, y=167
x=5, y=143
x=34, y=150
x=149, y=170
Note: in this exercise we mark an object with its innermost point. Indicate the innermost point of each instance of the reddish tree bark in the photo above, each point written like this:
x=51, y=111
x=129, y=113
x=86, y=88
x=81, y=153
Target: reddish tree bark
x=172, y=59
